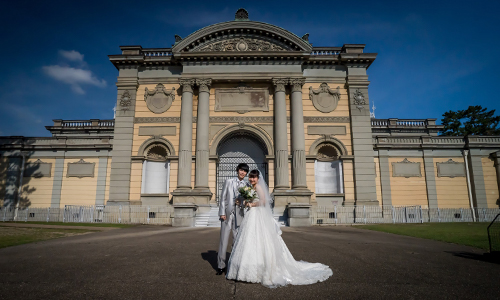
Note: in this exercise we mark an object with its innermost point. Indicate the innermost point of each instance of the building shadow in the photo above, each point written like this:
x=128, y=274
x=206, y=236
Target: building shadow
x=211, y=257
x=486, y=257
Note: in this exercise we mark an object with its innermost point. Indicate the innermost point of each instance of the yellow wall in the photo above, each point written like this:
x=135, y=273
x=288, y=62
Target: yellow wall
x=348, y=167
x=37, y=192
x=451, y=192
x=79, y=191
x=378, y=184
x=490, y=182
x=408, y=191
x=4, y=164
x=108, y=176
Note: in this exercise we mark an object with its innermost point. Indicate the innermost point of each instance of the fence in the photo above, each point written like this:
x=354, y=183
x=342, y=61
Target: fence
x=133, y=214
x=397, y=214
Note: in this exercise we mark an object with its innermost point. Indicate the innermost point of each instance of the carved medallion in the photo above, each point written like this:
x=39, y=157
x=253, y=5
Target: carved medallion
x=324, y=99
x=125, y=101
x=359, y=99
x=160, y=99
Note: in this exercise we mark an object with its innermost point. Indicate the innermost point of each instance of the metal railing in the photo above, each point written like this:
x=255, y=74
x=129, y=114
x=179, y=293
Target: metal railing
x=396, y=214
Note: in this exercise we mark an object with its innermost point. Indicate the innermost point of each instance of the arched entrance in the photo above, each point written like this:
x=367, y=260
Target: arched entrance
x=237, y=148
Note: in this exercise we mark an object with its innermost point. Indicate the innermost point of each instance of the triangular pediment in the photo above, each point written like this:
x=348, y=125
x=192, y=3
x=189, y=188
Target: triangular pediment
x=242, y=36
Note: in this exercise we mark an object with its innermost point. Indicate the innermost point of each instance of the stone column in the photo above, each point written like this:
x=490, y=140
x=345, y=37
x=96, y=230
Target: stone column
x=186, y=135
x=280, y=134
x=298, y=136
x=202, y=140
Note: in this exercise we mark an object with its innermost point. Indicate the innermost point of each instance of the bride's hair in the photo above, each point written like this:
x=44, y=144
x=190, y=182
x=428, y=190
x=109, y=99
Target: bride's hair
x=254, y=173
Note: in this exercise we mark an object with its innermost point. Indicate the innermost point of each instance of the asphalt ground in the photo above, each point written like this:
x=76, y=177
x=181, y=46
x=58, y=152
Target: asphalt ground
x=158, y=262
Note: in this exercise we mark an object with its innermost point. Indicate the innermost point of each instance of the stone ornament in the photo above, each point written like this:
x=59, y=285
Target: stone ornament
x=37, y=169
x=204, y=84
x=280, y=84
x=187, y=84
x=450, y=168
x=359, y=99
x=242, y=44
x=80, y=169
x=324, y=99
x=406, y=169
x=297, y=84
x=125, y=101
x=160, y=99
x=327, y=152
x=241, y=15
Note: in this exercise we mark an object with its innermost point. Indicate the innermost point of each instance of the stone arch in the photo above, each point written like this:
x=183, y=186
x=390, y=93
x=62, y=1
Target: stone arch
x=219, y=30
x=239, y=129
x=156, y=141
x=336, y=143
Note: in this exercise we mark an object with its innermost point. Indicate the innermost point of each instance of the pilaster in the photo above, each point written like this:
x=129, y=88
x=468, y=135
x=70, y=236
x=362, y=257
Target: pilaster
x=102, y=170
x=119, y=183
x=385, y=177
x=362, y=144
x=430, y=179
x=57, y=183
x=477, y=179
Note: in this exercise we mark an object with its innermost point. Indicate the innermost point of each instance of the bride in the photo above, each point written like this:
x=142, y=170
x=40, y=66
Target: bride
x=259, y=253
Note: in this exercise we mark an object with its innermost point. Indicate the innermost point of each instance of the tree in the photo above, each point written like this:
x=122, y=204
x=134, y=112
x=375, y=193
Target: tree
x=475, y=120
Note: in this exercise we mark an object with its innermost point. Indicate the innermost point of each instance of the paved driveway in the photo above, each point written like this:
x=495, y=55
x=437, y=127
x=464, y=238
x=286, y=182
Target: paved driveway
x=153, y=262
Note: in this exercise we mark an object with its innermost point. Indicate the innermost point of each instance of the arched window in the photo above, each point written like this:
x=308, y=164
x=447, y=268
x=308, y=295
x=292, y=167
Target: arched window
x=155, y=170
x=328, y=170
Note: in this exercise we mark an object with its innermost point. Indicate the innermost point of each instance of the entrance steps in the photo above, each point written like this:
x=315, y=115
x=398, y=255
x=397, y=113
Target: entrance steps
x=208, y=219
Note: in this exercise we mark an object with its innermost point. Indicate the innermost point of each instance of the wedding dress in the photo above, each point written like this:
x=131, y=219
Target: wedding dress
x=260, y=255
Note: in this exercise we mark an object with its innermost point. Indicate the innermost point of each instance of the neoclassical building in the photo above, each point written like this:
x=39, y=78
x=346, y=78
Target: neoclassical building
x=247, y=91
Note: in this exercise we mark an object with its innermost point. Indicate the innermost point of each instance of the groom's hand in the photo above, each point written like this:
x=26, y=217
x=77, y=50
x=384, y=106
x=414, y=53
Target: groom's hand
x=223, y=218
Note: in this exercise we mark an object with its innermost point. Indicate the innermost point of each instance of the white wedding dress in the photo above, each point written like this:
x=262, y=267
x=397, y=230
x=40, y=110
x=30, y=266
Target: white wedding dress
x=260, y=255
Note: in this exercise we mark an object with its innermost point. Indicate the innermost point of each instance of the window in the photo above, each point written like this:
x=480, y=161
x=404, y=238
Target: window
x=155, y=170
x=328, y=171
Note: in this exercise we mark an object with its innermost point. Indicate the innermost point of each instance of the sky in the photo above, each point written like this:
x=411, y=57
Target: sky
x=433, y=56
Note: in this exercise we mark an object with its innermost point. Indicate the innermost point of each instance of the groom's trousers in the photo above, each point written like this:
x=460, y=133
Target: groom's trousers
x=226, y=227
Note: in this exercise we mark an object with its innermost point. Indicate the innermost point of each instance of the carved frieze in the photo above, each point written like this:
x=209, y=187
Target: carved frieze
x=451, y=169
x=406, y=169
x=241, y=119
x=37, y=169
x=160, y=99
x=242, y=99
x=324, y=99
x=80, y=169
x=242, y=44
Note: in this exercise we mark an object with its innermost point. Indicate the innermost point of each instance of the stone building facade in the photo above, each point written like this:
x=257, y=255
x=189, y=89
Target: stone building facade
x=247, y=91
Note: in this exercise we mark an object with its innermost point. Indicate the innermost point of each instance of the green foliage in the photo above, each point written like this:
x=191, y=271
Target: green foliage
x=469, y=234
x=12, y=236
x=475, y=120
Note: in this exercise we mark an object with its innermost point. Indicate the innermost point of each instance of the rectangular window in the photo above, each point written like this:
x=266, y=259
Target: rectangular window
x=328, y=177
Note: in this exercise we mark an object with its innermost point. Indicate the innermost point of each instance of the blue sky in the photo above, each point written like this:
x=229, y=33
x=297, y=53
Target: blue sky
x=433, y=56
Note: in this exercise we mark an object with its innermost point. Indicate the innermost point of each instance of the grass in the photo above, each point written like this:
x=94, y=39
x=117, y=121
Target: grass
x=469, y=234
x=13, y=236
x=78, y=224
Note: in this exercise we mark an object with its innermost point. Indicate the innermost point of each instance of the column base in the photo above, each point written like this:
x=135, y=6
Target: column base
x=298, y=214
x=200, y=196
x=284, y=197
x=184, y=215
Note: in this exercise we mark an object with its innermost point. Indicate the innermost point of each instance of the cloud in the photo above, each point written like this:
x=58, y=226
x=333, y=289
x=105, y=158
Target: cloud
x=71, y=55
x=74, y=77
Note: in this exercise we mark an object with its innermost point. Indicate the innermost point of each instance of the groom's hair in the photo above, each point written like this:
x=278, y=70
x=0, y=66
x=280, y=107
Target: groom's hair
x=243, y=167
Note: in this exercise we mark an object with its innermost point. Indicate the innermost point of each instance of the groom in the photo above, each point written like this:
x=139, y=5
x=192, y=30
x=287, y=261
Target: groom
x=230, y=212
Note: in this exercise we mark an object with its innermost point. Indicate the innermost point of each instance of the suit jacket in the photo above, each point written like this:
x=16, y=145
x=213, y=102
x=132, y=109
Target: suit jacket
x=228, y=197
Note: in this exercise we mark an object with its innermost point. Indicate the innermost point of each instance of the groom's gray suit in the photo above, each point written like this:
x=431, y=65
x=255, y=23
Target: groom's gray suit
x=234, y=215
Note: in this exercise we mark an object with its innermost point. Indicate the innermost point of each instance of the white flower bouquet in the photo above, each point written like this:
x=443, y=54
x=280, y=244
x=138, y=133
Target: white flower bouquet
x=248, y=194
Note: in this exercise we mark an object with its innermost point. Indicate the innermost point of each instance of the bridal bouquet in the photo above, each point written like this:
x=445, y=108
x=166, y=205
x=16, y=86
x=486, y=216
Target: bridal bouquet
x=248, y=194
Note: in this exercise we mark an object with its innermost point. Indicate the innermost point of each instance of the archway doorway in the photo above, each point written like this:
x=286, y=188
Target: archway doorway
x=239, y=148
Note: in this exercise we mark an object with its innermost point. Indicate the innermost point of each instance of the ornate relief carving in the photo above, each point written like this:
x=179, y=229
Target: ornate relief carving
x=324, y=99
x=80, y=169
x=406, y=169
x=241, y=44
x=238, y=119
x=280, y=84
x=297, y=84
x=327, y=152
x=187, y=84
x=157, y=152
x=160, y=99
x=359, y=99
x=125, y=101
x=204, y=84
x=241, y=15
x=450, y=169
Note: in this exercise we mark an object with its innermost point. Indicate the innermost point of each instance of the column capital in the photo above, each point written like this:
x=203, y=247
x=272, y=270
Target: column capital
x=187, y=84
x=204, y=84
x=297, y=84
x=280, y=84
